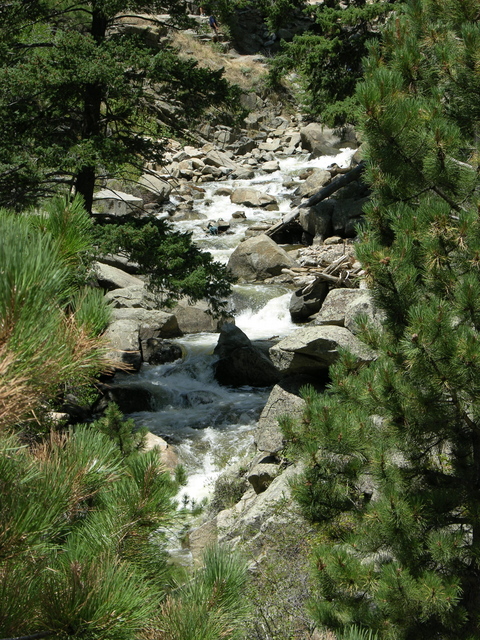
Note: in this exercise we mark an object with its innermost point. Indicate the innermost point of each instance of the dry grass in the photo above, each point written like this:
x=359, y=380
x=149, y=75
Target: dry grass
x=244, y=71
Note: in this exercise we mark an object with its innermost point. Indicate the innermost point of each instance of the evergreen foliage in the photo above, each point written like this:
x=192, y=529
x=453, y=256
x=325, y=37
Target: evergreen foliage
x=121, y=431
x=48, y=328
x=77, y=99
x=393, y=448
x=328, y=57
x=174, y=265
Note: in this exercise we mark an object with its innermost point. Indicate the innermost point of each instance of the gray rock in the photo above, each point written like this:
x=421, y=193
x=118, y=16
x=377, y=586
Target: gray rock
x=258, y=258
x=250, y=514
x=195, y=318
x=315, y=348
x=112, y=278
x=335, y=305
x=317, y=221
x=251, y=198
x=362, y=304
x=158, y=351
x=154, y=188
x=240, y=362
x=307, y=301
x=124, y=346
x=262, y=475
x=283, y=400
x=219, y=160
x=151, y=323
x=111, y=202
x=134, y=297
x=346, y=215
x=322, y=141
x=270, y=167
x=316, y=180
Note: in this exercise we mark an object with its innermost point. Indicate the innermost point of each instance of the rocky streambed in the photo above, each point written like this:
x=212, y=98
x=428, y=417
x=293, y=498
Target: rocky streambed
x=212, y=391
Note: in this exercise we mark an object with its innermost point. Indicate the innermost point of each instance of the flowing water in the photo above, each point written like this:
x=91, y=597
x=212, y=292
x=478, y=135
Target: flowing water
x=212, y=426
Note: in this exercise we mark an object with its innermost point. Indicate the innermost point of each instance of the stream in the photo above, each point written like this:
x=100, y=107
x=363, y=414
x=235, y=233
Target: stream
x=211, y=426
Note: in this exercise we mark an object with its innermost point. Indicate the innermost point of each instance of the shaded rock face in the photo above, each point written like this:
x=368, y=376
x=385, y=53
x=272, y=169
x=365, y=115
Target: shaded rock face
x=130, y=399
x=259, y=258
x=240, y=362
x=157, y=351
x=303, y=305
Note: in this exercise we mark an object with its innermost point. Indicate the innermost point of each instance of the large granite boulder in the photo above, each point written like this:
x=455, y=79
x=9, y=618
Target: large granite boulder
x=219, y=160
x=362, y=304
x=335, y=305
x=124, y=346
x=315, y=181
x=251, y=197
x=240, y=362
x=158, y=351
x=154, y=188
x=151, y=323
x=132, y=297
x=322, y=141
x=284, y=400
x=196, y=318
x=259, y=258
x=313, y=349
x=317, y=221
x=112, y=278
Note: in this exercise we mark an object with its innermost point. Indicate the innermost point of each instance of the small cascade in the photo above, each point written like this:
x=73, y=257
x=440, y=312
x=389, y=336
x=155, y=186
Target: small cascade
x=212, y=426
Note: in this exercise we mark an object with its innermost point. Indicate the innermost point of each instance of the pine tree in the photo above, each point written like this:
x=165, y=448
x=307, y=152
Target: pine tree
x=328, y=57
x=394, y=447
x=80, y=96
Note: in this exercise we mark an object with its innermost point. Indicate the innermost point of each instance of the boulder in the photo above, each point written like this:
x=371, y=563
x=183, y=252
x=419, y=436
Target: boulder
x=158, y=351
x=262, y=475
x=270, y=167
x=258, y=258
x=240, y=362
x=308, y=300
x=346, y=216
x=284, y=399
x=335, y=305
x=195, y=318
x=110, y=202
x=313, y=349
x=112, y=278
x=130, y=398
x=167, y=455
x=124, y=346
x=250, y=514
x=362, y=304
x=317, y=221
x=154, y=188
x=135, y=296
x=322, y=141
x=317, y=179
x=151, y=323
x=251, y=198
x=220, y=160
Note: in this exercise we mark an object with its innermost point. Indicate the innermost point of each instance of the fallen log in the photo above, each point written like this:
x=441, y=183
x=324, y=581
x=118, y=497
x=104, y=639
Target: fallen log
x=324, y=193
x=335, y=185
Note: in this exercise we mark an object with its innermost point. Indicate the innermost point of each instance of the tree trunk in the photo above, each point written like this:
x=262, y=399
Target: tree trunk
x=85, y=179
